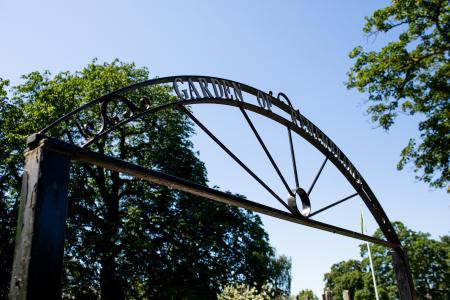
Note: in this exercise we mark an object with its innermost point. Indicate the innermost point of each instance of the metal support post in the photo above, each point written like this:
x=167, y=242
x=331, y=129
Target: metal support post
x=405, y=282
x=39, y=249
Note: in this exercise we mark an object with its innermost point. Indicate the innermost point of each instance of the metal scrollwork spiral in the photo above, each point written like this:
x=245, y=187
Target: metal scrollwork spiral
x=113, y=110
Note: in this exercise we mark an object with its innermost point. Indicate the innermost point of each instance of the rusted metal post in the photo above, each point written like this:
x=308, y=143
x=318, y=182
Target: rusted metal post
x=403, y=275
x=39, y=249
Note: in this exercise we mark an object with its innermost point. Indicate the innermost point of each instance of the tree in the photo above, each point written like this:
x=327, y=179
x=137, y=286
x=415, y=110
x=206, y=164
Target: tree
x=306, y=294
x=429, y=261
x=280, y=278
x=127, y=238
x=7, y=208
x=345, y=275
x=242, y=291
x=411, y=75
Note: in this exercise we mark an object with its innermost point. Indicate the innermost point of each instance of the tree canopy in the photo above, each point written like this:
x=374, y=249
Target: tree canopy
x=242, y=291
x=411, y=75
x=429, y=261
x=126, y=238
x=306, y=294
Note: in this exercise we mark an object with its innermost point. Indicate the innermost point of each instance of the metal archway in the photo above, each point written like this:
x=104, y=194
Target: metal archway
x=48, y=158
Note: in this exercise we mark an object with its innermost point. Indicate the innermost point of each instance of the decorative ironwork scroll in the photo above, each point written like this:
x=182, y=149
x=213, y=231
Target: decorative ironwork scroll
x=70, y=137
x=99, y=117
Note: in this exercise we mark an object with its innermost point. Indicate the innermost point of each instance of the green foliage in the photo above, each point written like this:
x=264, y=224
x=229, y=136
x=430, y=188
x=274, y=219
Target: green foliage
x=280, y=276
x=345, y=275
x=127, y=238
x=429, y=261
x=244, y=292
x=306, y=294
x=411, y=75
x=7, y=213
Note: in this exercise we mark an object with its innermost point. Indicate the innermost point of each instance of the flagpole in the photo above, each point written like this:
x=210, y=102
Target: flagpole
x=370, y=257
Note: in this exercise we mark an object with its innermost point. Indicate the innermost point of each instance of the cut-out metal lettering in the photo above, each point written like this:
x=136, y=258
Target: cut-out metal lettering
x=99, y=117
x=218, y=90
x=204, y=87
x=193, y=90
x=183, y=94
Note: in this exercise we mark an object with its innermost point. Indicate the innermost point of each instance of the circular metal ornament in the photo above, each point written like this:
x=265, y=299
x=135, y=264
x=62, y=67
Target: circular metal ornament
x=304, y=198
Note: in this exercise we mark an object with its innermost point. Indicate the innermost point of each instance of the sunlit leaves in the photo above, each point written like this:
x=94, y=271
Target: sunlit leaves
x=126, y=238
x=411, y=76
x=429, y=262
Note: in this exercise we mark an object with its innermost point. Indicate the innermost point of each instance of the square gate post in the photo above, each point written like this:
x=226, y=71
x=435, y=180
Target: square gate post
x=39, y=248
x=403, y=274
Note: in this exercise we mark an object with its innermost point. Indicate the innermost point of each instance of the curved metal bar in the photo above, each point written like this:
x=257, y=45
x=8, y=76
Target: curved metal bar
x=304, y=199
x=283, y=95
x=299, y=124
x=294, y=163
x=132, y=118
x=162, y=80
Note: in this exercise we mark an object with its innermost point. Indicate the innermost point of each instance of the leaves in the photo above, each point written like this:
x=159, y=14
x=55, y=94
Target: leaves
x=346, y=275
x=127, y=238
x=245, y=292
x=306, y=295
x=429, y=261
x=411, y=76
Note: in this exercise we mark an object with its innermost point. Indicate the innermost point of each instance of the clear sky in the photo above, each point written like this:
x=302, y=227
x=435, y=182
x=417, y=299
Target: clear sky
x=297, y=47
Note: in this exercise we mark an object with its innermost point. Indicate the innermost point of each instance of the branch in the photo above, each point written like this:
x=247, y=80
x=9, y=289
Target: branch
x=403, y=84
x=131, y=190
x=99, y=180
x=438, y=24
x=408, y=72
x=91, y=215
x=116, y=183
x=398, y=24
x=122, y=147
x=430, y=54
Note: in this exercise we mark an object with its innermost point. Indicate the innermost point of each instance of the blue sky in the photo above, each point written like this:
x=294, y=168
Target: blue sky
x=296, y=47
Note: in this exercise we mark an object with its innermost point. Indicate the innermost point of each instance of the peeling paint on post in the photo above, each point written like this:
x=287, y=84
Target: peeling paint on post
x=39, y=249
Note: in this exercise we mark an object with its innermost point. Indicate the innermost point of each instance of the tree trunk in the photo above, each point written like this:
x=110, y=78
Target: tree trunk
x=110, y=285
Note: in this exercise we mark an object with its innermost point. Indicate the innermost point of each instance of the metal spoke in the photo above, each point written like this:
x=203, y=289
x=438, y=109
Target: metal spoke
x=333, y=204
x=250, y=123
x=294, y=164
x=235, y=158
x=317, y=176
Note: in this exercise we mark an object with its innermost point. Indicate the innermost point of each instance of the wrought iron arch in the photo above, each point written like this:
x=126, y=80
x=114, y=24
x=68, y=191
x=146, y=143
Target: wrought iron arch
x=194, y=90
